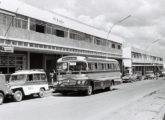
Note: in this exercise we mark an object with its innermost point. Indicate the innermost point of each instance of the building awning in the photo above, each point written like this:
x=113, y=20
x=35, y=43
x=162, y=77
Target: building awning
x=147, y=65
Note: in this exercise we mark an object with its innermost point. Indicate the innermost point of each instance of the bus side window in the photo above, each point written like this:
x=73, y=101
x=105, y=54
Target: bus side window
x=90, y=66
x=99, y=66
x=111, y=66
x=115, y=66
x=108, y=66
x=103, y=67
x=118, y=66
x=96, y=67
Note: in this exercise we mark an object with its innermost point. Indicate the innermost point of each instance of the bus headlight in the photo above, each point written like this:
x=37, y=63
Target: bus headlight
x=78, y=82
x=81, y=82
x=59, y=82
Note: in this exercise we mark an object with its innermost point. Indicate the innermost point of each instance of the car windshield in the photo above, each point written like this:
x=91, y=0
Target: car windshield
x=18, y=77
x=127, y=74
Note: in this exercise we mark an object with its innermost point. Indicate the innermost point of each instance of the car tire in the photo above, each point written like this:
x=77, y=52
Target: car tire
x=41, y=93
x=89, y=90
x=18, y=96
x=1, y=98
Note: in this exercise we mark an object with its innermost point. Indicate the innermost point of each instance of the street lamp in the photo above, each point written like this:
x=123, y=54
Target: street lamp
x=153, y=42
x=110, y=30
x=147, y=50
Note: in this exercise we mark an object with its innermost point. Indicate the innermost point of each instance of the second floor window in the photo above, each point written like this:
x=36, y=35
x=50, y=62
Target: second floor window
x=113, y=45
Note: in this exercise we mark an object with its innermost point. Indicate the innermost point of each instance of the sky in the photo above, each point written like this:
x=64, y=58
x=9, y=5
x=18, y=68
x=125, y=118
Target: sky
x=145, y=26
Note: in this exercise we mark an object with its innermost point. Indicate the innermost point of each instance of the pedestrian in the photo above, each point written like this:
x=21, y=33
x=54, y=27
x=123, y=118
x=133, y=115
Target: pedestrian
x=51, y=74
x=157, y=75
x=54, y=75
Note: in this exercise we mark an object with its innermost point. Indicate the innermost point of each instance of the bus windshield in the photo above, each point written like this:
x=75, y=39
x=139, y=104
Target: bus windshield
x=62, y=66
x=72, y=66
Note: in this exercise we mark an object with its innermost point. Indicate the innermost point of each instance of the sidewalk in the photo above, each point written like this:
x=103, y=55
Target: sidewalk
x=150, y=107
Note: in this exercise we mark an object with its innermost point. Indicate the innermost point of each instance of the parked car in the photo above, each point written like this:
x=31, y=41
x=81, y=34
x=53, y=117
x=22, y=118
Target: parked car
x=162, y=73
x=149, y=75
x=4, y=88
x=129, y=77
x=139, y=75
x=27, y=82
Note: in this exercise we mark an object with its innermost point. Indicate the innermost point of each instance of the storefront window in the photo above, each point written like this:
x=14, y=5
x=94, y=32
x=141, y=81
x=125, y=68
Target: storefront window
x=11, y=63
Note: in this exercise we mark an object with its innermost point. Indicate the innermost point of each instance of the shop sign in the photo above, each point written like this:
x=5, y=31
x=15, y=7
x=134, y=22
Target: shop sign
x=58, y=20
x=6, y=49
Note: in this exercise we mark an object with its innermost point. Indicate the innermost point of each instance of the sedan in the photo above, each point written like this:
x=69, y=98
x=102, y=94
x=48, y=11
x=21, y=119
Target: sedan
x=129, y=77
x=149, y=75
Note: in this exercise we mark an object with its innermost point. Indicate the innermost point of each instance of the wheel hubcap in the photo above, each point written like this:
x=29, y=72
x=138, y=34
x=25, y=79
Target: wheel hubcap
x=41, y=93
x=90, y=90
x=1, y=98
x=18, y=96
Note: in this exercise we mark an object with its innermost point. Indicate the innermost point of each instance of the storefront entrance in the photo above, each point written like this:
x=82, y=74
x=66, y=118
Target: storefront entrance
x=36, y=61
x=51, y=63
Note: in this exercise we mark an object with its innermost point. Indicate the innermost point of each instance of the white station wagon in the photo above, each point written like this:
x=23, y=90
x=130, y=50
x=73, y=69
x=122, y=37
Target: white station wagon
x=27, y=82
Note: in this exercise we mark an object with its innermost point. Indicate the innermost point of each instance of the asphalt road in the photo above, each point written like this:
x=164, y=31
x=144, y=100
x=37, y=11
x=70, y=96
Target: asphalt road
x=78, y=107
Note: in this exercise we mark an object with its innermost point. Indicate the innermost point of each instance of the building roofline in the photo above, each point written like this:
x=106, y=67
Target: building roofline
x=48, y=16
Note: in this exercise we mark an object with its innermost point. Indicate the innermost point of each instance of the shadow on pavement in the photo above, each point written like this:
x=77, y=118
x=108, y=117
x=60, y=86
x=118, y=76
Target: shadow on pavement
x=75, y=94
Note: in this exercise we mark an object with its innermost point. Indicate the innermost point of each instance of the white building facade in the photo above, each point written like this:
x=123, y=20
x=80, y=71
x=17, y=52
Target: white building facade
x=137, y=60
x=39, y=37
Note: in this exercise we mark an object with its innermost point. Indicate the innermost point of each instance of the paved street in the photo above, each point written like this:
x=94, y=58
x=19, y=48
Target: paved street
x=101, y=105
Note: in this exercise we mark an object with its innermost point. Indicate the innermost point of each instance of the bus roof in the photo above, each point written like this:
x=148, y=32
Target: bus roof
x=82, y=58
x=101, y=59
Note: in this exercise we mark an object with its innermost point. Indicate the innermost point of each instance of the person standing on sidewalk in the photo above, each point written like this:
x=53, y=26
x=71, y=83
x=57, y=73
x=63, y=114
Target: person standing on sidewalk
x=157, y=75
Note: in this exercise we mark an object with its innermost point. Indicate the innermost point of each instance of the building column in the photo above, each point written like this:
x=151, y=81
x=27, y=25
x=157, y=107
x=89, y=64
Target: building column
x=68, y=34
x=93, y=40
x=44, y=62
x=28, y=27
x=28, y=60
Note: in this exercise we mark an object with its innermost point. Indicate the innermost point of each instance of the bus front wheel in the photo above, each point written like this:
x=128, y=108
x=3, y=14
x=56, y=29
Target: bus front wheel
x=89, y=90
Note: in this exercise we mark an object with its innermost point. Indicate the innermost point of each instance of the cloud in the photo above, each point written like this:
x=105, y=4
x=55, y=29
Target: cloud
x=65, y=12
x=98, y=21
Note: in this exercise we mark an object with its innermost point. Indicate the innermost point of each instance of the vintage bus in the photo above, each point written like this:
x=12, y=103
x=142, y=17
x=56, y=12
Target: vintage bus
x=86, y=74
